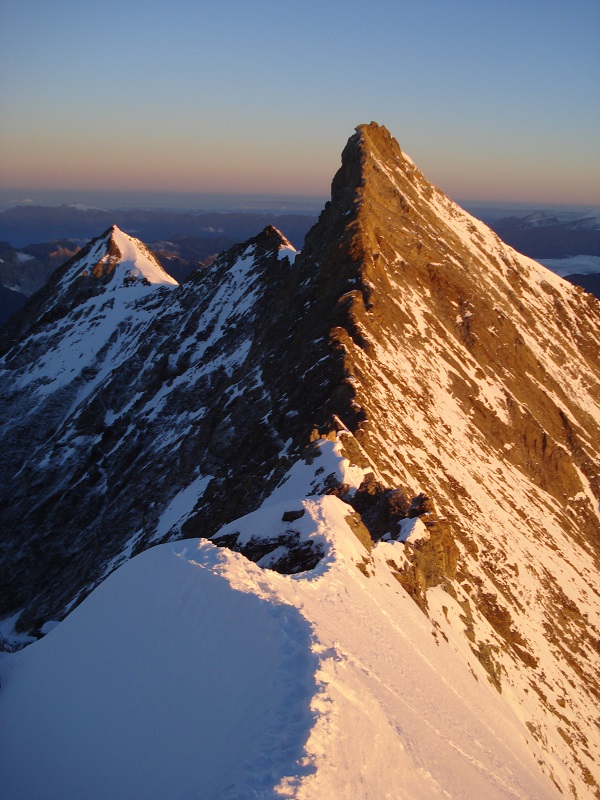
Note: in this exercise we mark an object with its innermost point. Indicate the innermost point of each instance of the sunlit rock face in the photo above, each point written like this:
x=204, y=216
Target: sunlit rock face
x=461, y=378
x=474, y=375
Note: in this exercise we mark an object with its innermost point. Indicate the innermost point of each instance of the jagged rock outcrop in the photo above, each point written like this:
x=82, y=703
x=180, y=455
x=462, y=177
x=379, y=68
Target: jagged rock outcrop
x=461, y=377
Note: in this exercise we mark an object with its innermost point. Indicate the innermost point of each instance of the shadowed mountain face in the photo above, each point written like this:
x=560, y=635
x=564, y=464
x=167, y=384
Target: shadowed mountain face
x=462, y=376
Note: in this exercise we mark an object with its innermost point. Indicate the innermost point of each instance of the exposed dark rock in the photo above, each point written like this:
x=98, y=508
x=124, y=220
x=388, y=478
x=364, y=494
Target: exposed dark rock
x=419, y=505
x=287, y=553
x=380, y=508
x=290, y=516
x=430, y=561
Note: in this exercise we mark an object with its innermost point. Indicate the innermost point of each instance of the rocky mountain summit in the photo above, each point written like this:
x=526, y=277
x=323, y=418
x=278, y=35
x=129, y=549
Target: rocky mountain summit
x=458, y=379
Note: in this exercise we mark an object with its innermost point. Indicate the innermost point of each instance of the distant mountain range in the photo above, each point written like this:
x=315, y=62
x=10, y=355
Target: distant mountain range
x=34, y=240
x=182, y=241
x=22, y=225
x=541, y=235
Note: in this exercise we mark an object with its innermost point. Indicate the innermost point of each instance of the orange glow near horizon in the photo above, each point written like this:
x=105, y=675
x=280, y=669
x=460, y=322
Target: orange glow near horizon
x=494, y=105
x=213, y=162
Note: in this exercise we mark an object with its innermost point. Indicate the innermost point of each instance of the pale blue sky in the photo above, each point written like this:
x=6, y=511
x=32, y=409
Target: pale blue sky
x=493, y=100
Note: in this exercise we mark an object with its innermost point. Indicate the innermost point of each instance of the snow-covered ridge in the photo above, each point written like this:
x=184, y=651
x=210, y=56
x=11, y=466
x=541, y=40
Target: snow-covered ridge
x=235, y=681
x=85, y=366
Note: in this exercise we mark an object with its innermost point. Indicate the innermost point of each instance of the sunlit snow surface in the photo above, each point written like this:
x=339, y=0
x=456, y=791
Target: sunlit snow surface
x=192, y=672
x=287, y=250
x=134, y=261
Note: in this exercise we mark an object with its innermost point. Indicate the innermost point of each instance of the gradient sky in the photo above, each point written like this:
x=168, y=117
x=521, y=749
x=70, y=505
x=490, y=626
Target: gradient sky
x=493, y=100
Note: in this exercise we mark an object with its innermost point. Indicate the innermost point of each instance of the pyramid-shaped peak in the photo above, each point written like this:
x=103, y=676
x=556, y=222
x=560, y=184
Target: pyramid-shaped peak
x=126, y=259
x=268, y=242
x=271, y=232
x=375, y=141
x=370, y=157
x=273, y=237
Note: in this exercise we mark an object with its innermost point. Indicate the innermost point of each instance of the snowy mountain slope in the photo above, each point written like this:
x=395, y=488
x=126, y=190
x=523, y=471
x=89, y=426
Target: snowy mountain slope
x=98, y=293
x=234, y=681
x=459, y=379
x=477, y=376
x=116, y=385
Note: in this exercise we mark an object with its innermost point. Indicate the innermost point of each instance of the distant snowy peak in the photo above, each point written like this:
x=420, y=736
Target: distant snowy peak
x=83, y=207
x=138, y=262
x=120, y=260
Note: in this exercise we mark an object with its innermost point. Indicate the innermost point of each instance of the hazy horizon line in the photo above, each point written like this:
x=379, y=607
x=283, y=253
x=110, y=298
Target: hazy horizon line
x=229, y=201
